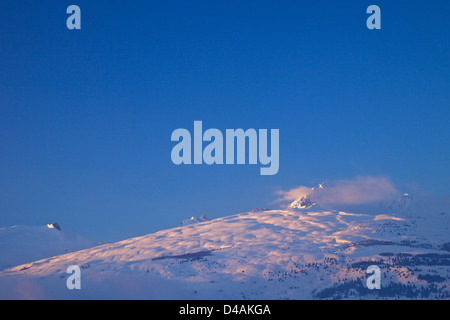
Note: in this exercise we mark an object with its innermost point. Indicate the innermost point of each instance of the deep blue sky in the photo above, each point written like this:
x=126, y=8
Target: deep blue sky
x=86, y=115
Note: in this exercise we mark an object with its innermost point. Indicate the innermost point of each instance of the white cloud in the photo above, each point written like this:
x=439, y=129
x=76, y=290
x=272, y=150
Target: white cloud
x=358, y=191
x=292, y=194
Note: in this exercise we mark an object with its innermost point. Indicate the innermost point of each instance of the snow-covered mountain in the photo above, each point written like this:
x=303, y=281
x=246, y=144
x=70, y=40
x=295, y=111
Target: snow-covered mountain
x=272, y=254
x=306, y=201
x=21, y=244
x=399, y=205
x=193, y=220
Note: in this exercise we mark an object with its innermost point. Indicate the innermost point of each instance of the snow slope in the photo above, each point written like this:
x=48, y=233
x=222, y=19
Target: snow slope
x=273, y=254
x=21, y=244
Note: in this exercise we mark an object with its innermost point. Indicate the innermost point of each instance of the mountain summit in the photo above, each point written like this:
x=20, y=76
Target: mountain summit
x=193, y=220
x=306, y=201
x=401, y=204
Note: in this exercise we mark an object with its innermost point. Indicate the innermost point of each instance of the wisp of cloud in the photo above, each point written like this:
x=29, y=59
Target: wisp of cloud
x=337, y=194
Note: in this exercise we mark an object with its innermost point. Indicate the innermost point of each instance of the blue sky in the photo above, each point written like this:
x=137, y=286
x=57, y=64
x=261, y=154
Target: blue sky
x=87, y=115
